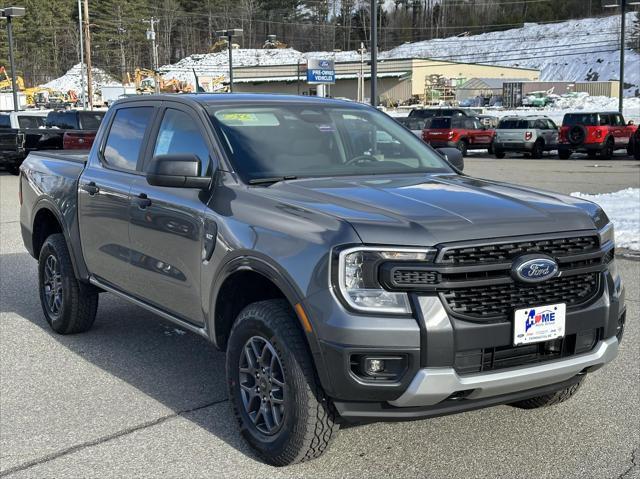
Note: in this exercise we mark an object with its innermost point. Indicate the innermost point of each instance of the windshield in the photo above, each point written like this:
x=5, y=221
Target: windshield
x=588, y=119
x=28, y=121
x=310, y=140
x=514, y=124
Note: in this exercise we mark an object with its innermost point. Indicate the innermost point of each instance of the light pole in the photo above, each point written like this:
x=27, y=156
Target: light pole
x=374, y=53
x=83, y=92
x=623, y=10
x=229, y=34
x=9, y=13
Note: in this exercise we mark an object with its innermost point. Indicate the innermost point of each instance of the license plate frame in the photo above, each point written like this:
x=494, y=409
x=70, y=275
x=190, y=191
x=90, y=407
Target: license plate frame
x=537, y=324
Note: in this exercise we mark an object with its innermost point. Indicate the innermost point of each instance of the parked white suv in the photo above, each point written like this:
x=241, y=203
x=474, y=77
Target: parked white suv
x=529, y=134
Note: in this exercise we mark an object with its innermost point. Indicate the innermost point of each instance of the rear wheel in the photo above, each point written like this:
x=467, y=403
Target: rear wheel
x=592, y=154
x=564, y=154
x=549, y=399
x=538, y=149
x=498, y=153
x=14, y=169
x=282, y=410
x=463, y=146
x=607, y=152
x=68, y=305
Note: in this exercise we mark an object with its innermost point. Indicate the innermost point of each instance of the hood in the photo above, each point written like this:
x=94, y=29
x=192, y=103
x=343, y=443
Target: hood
x=431, y=209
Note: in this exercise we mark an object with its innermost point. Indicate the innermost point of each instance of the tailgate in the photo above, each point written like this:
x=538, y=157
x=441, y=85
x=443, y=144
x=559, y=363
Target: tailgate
x=510, y=135
x=12, y=141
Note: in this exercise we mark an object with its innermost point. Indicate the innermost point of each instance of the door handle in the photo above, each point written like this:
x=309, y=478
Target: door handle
x=143, y=201
x=91, y=188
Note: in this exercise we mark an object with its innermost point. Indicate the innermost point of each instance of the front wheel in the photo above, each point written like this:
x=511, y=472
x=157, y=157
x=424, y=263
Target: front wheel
x=538, y=150
x=549, y=399
x=607, y=152
x=280, y=406
x=498, y=153
x=68, y=305
x=463, y=147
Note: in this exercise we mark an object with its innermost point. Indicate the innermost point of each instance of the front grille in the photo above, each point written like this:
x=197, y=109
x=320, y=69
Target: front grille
x=504, y=252
x=411, y=277
x=497, y=302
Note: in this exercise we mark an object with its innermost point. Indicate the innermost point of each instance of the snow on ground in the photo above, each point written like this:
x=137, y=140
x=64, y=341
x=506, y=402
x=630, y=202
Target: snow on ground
x=623, y=209
x=71, y=80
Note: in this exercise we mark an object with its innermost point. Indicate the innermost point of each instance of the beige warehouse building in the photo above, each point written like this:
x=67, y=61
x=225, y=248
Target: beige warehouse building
x=399, y=80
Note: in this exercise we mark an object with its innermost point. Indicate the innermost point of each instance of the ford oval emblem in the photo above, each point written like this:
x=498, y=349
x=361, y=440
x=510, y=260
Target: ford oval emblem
x=534, y=269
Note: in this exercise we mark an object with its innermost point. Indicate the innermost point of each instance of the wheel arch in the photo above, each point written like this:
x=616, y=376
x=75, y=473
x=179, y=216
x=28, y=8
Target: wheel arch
x=254, y=274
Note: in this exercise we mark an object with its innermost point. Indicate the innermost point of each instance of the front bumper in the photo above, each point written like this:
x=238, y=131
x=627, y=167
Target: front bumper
x=430, y=341
x=433, y=385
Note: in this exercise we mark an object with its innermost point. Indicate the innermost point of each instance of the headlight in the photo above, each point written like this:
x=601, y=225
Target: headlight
x=607, y=234
x=358, y=283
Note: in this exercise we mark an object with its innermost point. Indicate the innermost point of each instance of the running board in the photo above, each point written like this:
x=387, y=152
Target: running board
x=170, y=317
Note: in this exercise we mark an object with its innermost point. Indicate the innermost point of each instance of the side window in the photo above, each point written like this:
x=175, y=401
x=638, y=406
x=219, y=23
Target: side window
x=540, y=125
x=551, y=125
x=617, y=120
x=180, y=134
x=5, y=121
x=604, y=120
x=126, y=137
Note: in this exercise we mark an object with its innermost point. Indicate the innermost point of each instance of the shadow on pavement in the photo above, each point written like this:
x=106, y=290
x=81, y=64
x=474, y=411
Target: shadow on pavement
x=179, y=369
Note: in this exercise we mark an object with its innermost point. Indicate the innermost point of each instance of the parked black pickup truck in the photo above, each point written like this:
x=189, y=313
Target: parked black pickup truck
x=16, y=142
x=349, y=271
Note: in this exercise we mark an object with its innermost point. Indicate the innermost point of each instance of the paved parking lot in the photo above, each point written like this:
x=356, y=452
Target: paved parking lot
x=136, y=397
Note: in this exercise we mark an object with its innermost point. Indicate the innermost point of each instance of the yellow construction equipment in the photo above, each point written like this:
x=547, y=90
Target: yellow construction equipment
x=145, y=83
x=5, y=81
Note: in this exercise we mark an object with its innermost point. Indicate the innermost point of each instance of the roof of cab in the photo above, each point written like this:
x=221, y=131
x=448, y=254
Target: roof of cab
x=212, y=99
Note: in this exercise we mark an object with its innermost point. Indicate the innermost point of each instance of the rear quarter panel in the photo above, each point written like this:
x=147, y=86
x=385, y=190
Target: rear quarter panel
x=50, y=181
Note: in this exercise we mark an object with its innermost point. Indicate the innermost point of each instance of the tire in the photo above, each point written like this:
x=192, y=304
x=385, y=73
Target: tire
x=592, y=154
x=307, y=416
x=69, y=306
x=463, y=147
x=564, y=154
x=607, y=152
x=538, y=150
x=549, y=399
x=498, y=153
x=14, y=169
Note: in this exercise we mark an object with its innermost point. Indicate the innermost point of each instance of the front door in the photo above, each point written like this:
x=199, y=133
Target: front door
x=103, y=196
x=167, y=224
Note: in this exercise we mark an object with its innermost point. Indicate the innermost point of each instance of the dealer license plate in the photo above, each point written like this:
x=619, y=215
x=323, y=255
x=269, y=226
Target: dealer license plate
x=542, y=323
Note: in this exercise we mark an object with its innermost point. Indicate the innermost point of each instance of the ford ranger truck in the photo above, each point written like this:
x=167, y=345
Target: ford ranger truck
x=350, y=272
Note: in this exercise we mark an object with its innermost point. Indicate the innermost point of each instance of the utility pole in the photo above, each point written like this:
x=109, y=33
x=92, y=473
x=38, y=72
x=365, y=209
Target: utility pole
x=81, y=35
x=151, y=36
x=87, y=43
x=623, y=10
x=361, y=51
x=9, y=13
x=374, y=53
x=229, y=34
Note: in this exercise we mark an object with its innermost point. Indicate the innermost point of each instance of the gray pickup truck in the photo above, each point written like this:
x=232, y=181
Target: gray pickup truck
x=349, y=271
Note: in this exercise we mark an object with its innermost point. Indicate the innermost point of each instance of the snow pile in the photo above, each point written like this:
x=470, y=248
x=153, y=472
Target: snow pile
x=623, y=209
x=575, y=50
x=71, y=80
x=215, y=64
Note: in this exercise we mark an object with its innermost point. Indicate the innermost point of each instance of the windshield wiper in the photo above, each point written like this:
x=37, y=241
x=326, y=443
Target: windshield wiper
x=271, y=180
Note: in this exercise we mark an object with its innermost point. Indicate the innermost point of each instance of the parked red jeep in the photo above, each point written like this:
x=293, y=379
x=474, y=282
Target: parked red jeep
x=463, y=133
x=594, y=133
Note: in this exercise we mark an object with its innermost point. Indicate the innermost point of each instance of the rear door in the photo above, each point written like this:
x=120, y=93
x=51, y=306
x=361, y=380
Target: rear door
x=619, y=130
x=104, y=194
x=477, y=134
x=167, y=226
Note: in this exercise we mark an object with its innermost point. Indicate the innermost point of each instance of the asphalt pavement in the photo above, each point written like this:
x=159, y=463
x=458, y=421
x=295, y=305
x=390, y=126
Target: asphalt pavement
x=138, y=397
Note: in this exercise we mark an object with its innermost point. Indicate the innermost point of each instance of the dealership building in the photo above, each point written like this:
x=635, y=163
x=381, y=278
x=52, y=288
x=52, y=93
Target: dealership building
x=399, y=79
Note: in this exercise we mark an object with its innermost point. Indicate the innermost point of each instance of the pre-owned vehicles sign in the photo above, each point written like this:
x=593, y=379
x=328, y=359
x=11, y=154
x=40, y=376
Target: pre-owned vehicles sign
x=320, y=71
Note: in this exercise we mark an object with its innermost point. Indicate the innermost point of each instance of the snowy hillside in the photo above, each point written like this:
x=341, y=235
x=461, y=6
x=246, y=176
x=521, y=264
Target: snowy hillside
x=575, y=50
x=71, y=80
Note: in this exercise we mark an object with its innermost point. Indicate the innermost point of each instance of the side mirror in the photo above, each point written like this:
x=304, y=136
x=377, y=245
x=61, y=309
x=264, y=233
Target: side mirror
x=453, y=156
x=177, y=171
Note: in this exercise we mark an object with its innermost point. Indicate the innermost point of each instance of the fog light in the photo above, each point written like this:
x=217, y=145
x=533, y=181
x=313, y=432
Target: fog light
x=374, y=366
